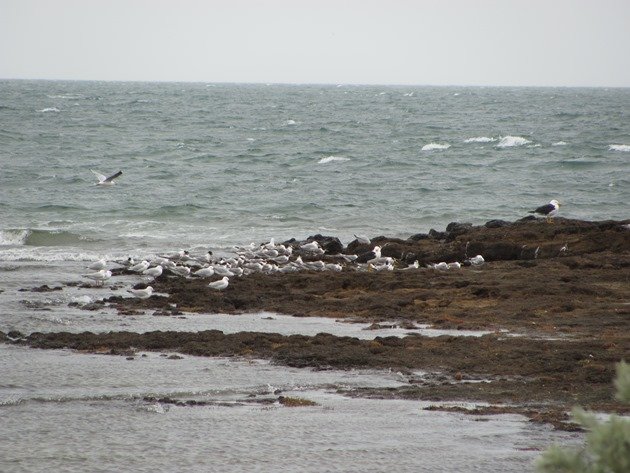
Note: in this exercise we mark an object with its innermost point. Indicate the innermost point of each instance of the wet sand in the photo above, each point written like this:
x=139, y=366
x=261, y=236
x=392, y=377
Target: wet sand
x=556, y=296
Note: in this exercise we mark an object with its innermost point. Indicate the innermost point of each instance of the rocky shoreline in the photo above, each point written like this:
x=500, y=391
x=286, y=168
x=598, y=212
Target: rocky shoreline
x=556, y=296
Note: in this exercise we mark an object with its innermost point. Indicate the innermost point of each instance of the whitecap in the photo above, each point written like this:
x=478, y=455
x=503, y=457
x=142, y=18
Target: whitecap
x=510, y=141
x=290, y=122
x=49, y=109
x=479, y=139
x=435, y=147
x=623, y=148
x=13, y=237
x=65, y=96
x=559, y=143
x=330, y=159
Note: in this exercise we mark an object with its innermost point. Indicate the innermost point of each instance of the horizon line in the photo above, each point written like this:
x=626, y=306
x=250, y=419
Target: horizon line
x=329, y=84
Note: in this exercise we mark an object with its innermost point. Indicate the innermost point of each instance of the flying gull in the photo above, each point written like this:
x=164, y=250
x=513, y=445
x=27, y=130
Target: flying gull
x=549, y=210
x=105, y=180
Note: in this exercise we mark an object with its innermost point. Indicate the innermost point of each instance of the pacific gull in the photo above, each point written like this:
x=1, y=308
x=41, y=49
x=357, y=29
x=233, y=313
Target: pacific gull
x=549, y=210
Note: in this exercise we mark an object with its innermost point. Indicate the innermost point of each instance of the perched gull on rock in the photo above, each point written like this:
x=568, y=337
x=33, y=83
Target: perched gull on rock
x=98, y=265
x=99, y=277
x=153, y=272
x=549, y=210
x=141, y=293
x=476, y=260
x=362, y=239
x=205, y=272
x=311, y=246
x=105, y=180
x=220, y=284
x=139, y=267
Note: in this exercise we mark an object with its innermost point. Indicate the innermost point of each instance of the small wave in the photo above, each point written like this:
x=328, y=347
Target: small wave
x=290, y=122
x=49, y=109
x=65, y=96
x=559, y=143
x=34, y=237
x=480, y=139
x=510, y=141
x=331, y=159
x=623, y=148
x=44, y=255
x=435, y=147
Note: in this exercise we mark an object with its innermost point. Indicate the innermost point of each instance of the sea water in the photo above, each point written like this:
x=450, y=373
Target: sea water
x=210, y=166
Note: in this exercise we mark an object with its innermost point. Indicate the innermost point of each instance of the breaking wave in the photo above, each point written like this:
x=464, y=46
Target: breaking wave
x=34, y=237
x=331, y=159
x=435, y=147
x=49, y=109
x=510, y=141
x=480, y=139
x=623, y=148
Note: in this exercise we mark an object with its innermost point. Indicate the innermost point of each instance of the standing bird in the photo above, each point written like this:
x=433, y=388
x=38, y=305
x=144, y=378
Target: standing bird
x=549, y=210
x=105, y=180
x=99, y=277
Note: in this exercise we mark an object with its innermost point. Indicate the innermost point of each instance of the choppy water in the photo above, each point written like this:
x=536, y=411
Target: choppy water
x=215, y=165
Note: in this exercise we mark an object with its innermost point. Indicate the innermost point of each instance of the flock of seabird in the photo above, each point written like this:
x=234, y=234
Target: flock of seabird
x=267, y=258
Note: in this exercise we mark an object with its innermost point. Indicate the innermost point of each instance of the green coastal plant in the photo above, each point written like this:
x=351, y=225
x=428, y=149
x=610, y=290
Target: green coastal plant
x=607, y=448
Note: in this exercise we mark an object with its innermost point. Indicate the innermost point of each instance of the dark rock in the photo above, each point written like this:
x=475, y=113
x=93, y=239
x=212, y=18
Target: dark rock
x=46, y=288
x=331, y=245
x=435, y=235
x=456, y=228
x=497, y=223
x=419, y=236
x=365, y=257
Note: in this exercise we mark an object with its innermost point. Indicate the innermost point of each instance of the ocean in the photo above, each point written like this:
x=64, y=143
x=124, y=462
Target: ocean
x=210, y=166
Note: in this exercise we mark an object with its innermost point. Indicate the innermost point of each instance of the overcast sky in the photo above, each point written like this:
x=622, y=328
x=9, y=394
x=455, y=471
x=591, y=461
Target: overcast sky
x=440, y=42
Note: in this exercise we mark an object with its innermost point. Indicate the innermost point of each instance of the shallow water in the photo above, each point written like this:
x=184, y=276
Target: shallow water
x=88, y=413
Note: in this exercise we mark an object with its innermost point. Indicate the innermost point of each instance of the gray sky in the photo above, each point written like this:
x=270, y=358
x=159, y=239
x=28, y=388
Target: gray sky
x=437, y=42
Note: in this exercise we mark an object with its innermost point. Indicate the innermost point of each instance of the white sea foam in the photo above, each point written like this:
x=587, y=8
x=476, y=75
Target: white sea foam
x=13, y=237
x=623, y=148
x=32, y=253
x=81, y=300
x=480, y=139
x=65, y=96
x=559, y=143
x=290, y=122
x=510, y=141
x=331, y=159
x=435, y=147
x=49, y=109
